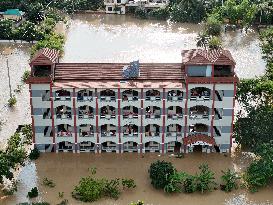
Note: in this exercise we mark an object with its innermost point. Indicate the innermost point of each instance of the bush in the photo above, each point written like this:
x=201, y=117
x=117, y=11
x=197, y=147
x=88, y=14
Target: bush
x=140, y=12
x=215, y=43
x=34, y=154
x=160, y=14
x=128, y=183
x=213, y=26
x=111, y=189
x=230, y=180
x=33, y=193
x=175, y=182
x=205, y=180
x=48, y=182
x=27, y=132
x=12, y=101
x=189, y=184
x=160, y=172
x=137, y=203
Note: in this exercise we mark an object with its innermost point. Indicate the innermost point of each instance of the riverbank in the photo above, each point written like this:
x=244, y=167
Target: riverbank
x=66, y=169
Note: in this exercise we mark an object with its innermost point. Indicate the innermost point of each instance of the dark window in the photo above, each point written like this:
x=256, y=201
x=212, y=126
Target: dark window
x=110, y=9
x=118, y=1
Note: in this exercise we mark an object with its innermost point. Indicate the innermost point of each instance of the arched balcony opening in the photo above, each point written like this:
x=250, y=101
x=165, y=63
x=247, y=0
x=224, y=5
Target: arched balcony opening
x=107, y=95
x=130, y=112
x=85, y=112
x=130, y=146
x=153, y=95
x=199, y=112
x=199, y=128
x=200, y=94
x=130, y=95
x=175, y=112
x=108, y=146
x=108, y=130
x=65, y=146
x=130, y=130
x=86, y=130
x=152, y=130
x=174, y=130
x=153, y=112
x=87, y=146
x=175, y=95
x=174, y=146
x=108, y=112
x=152, y=146
x=62, y=95
x=85, y=95
x=63, y=112
x=64, y=130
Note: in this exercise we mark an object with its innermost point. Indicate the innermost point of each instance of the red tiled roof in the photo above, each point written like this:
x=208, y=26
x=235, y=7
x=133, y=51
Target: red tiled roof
x=45, y=56
x=113, y=71
x=202, y=56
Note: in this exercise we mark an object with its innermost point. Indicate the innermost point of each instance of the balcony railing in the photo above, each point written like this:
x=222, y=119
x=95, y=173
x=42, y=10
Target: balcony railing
x=130, y=98
x=108, y=98
x=153, y=116
x=133, y=134
x=194, y=116
x=108, y=134
x=64, y=116
x=130, y=115
x=152, y=134
x=63, y=98
x=175, y=98
x=108, y=116
x=175, y=116
x=86, y=134
x=84, y=98
x=153, y=98
x=174, y=134
x=64, y=134
x=86, y=116
x=200, y=98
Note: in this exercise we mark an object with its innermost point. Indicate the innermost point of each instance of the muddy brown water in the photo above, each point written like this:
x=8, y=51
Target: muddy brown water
x=114, y=38
x=66, y=169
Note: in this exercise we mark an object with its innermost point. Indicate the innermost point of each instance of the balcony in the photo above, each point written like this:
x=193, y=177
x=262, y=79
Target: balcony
x=198, y=129
x=63, y=95
x=153, y=112
x=108, y=112
x=129, y=95
x=46, y=95
x=152, y=130
x=64, y=130
x=174, y=130
x=175, y=95
x=153, y=95
x=199, y=112
x=175, y=112
x=130, y=147
x=86, y=130
x=86, y=112
x=63, y=112
x=108, y=130
x=87, y=146
x=130, y=130
x=200, y=94
x=108, y=146
x=130, y=112
x=84, y=95
x=152, y=147
x=107, y=95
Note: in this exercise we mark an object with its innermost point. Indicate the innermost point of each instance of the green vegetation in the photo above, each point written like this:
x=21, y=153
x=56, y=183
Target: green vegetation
x=34, y=154
x=12, y=101
x=159, y=173
x=91, y=189
x=230, y=180
x=205, y=179
x=33, y=193
x=34, y=203
x=25, y=76
x=137, y=203
x=159, y=14
x=48, y=182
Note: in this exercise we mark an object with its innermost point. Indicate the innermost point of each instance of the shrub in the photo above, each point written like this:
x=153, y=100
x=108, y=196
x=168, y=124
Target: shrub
x=33, y=193
x=128, y=183
x=230, y=180
x=175, y=182
x=111, y=189
x=25, y=76
x=27, y=132
x=159, y=14
x=34, y=154
x=48, y=182
x=189, y=184
x=215, y=43
x=140, y=12
x=12, y=101
x=159, y=173
x=137, y=203
x=205, y=180
x=213, y=26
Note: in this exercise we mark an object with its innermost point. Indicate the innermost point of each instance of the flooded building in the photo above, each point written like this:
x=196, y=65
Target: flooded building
x=123, y=6
x=134, y=107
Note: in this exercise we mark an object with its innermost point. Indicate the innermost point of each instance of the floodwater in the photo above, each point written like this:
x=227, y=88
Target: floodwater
x=66, y=169
x=113, y=38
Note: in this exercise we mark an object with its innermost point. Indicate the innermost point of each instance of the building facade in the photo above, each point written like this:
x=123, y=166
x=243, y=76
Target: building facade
x=169, y=107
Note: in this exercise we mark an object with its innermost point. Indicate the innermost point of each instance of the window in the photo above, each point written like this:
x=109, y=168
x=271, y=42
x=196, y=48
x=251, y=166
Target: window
x=118, y=1
x=110, y=9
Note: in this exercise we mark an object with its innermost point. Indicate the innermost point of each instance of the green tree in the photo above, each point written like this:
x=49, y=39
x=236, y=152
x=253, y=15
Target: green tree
x=28, y=31
x=213, y=26
x=205, y=179
x=35, y=12
x=6, y=28
x=159, y=173
x=230, y=180
x=215, y=43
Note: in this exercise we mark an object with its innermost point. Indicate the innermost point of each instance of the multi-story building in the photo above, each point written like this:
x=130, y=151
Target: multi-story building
x=91, y=107
x=122, y=6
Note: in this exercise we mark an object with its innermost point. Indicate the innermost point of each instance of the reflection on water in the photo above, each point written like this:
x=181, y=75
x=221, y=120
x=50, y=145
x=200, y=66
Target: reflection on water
x=66, y=169
x=113, y=38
